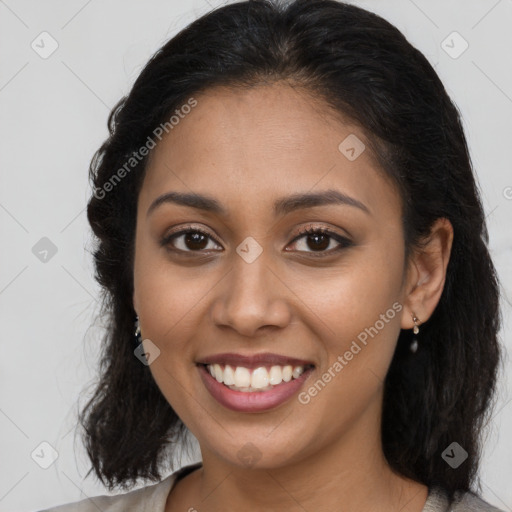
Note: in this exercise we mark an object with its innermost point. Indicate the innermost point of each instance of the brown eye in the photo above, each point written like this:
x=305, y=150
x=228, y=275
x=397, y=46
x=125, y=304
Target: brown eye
x=318, y=240
x=195, y=241
x=190, y=240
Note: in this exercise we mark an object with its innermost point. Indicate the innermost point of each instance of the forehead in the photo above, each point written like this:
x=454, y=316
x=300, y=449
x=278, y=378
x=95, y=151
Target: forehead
x=244, y=146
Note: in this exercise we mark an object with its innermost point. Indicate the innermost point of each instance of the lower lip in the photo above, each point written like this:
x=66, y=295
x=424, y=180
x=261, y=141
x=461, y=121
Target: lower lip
x=252, y=401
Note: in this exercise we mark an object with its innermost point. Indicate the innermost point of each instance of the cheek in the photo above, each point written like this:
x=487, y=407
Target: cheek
x=168, y=296
x=358, y=309
x=360, y=321
x=170, y=307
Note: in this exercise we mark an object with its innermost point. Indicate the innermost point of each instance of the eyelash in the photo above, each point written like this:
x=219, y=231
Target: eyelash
x=311, y=230
x=343, y=241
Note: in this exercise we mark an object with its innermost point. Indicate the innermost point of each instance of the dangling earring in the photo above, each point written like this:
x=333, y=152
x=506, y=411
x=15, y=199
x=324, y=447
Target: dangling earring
x=138, y=337
x=414, y=344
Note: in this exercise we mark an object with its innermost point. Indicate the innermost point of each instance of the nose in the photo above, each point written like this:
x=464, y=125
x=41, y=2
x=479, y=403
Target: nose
x=252, y=297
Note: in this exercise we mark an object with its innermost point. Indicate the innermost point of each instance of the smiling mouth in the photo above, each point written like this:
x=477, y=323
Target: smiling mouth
x=262, y=378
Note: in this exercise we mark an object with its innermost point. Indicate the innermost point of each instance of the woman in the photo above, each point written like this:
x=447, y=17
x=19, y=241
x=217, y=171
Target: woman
x=294, y=257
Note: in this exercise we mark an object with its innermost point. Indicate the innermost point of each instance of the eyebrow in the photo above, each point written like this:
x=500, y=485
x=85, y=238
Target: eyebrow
x=282, y=206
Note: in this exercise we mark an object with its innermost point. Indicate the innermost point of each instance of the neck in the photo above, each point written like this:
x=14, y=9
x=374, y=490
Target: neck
x=352, y=472
x=310, y=485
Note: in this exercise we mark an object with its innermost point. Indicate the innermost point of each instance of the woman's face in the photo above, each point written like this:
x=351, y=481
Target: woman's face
x=254, y=285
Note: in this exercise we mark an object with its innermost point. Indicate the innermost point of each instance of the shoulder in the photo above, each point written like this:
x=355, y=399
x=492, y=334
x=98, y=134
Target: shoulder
x=471, y=502
x=462, y=502
x=151, y=498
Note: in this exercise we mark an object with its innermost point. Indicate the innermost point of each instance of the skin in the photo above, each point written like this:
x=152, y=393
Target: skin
x=246, y=149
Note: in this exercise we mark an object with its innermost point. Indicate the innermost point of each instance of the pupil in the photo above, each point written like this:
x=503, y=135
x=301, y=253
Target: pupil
x=195, y=240
x=316, y=238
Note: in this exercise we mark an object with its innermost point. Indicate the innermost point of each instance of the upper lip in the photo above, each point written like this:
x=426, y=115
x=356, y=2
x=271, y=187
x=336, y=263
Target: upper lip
x=253, y=361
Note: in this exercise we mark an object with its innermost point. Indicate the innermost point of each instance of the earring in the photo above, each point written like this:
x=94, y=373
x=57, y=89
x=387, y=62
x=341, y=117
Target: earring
x=414, y=344
x=138, y=337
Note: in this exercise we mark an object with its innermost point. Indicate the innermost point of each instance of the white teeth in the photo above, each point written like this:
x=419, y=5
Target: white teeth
x=276, y=375
x=242, y=377
x=229, y=375
x=297, y=372
x=258, y=379
x=218, y=372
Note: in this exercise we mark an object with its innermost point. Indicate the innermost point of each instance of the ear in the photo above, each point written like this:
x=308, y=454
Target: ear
x=427, y=273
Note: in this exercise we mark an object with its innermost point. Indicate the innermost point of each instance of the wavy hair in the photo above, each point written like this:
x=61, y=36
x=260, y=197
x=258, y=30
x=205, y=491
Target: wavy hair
x=363, y=68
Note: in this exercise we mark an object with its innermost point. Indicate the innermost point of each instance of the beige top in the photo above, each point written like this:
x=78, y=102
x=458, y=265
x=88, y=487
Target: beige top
x=152, y=498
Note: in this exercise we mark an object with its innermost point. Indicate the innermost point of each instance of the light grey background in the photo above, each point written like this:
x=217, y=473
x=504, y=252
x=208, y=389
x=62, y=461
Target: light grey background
x=53, y=114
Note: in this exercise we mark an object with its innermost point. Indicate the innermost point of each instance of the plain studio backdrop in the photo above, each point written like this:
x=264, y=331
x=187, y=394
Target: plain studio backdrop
x=63, y=65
